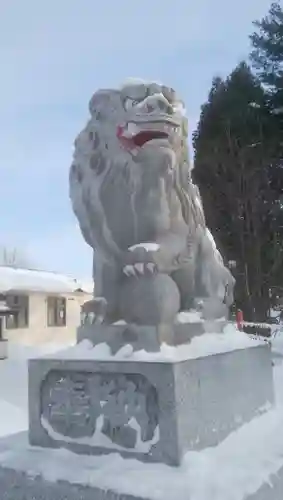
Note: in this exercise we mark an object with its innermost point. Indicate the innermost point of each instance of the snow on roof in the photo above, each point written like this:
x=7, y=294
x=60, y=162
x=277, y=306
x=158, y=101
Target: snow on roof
x=28, y=280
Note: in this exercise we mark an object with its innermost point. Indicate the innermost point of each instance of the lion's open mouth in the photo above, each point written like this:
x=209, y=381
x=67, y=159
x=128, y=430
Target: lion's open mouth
x=134, y=135
x=148, y=135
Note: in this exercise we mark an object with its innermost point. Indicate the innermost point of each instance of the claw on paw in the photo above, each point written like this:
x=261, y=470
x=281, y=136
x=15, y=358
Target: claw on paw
x=129, y=270
x=139, y=267
x=151, y=267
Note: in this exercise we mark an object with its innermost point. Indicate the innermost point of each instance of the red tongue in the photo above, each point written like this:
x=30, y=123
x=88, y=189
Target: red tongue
x=147, y=135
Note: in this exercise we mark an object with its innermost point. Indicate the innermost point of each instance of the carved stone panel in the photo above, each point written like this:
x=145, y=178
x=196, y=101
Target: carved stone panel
x=123, y=408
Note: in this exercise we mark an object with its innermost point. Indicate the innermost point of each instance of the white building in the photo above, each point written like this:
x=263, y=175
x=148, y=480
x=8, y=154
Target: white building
x=46, y=306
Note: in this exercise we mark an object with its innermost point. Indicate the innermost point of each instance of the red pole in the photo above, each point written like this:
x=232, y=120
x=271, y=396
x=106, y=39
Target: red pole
x=239, y=319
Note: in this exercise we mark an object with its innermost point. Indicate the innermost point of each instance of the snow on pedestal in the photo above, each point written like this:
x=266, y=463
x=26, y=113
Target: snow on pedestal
x=204, y=345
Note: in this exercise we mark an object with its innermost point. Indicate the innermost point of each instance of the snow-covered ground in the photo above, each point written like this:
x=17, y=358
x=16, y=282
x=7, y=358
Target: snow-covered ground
x=230, y=471
x=277, y=340
x=14, y=386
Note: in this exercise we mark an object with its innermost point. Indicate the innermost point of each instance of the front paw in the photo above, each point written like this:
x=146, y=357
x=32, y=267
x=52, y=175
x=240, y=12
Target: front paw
x=93, y=311
x=141, y=260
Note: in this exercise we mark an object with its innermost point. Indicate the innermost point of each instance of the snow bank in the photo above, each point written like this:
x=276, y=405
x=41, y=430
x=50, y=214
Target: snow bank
x=231, y=471
x=12, y=417
x=200, y=346
x=189, y=317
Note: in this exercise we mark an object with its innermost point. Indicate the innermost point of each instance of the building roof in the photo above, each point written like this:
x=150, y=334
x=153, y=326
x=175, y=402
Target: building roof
x=28, y=280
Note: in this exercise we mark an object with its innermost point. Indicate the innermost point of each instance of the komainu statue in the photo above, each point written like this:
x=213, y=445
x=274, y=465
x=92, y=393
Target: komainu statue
x=137, y=207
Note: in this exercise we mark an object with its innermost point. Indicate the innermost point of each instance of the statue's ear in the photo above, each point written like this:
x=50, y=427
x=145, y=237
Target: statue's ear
x=98, y=100
x=102, y=101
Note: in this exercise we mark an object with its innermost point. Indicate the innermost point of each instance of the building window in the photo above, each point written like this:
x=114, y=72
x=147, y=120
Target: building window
x=20, y=317
x=56, y=311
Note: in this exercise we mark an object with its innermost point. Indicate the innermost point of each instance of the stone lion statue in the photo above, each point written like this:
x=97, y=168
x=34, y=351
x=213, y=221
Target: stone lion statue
x=137, y=207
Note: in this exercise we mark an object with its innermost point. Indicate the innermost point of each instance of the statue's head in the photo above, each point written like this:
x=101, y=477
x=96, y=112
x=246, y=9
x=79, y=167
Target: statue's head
x=138, y=122
x=136, y=135
x=152, y=122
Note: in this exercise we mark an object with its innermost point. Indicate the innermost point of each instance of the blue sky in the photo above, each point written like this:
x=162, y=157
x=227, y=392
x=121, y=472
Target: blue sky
x=54, y=55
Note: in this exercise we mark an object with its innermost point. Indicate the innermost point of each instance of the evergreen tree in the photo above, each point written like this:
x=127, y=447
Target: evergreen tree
x=234, y=162
x=267, y=58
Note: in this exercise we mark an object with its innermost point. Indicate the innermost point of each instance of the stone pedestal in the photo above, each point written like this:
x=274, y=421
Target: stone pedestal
x=89, y=417
x=150, y=410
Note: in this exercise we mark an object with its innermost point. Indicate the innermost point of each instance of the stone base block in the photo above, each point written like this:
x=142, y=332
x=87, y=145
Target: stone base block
x=150, y=410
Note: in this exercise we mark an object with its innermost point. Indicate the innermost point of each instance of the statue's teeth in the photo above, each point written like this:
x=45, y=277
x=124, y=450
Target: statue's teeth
x=150, y=266
x=131, y=130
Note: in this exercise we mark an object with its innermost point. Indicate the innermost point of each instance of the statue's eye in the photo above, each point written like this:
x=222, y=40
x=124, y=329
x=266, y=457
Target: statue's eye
x=179, y=108
x=130, y=103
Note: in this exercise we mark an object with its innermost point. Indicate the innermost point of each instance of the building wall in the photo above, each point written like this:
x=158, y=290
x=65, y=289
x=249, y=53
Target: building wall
x=38, y=332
